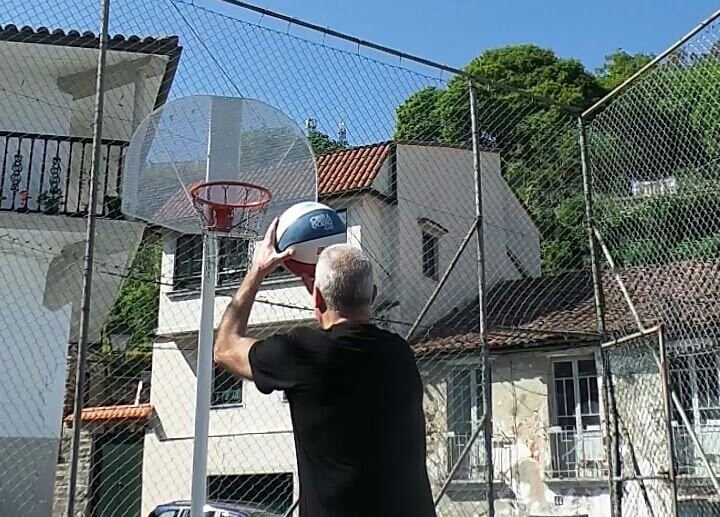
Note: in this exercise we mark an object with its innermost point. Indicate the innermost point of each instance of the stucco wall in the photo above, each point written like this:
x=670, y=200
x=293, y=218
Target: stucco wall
x=521, y=445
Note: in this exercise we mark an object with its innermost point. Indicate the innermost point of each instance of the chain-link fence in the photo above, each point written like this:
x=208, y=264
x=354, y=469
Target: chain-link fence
x=495, y=292
x=654, y=163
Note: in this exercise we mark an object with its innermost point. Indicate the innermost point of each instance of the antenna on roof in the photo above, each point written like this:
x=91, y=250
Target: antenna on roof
x=342, y=133
x=310, y=125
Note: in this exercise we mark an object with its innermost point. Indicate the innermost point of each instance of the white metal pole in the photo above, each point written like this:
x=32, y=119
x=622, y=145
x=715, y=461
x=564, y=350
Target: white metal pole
x=204, y=375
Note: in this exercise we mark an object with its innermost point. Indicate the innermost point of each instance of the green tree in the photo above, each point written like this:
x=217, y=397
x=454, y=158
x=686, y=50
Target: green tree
x=664, y=129
x=619, y=66
x=322, y=143
x=135, y=311
x=418, y=118
x=537, y=142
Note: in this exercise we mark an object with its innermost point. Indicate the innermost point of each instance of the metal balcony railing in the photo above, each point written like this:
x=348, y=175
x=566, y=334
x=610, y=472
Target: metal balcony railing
x=473, y=466
x=577, y=455
x=688, y=459
x=50, y=174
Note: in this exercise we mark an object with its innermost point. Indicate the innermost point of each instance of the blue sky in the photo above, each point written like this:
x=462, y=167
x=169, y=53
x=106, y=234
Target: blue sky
x=454, y=31
x=308, y=77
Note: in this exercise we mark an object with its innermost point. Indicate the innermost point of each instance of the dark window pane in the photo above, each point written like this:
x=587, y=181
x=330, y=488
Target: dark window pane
x=188, y=262
x=594, y=397
x=563, y=369
x=233, y=260
x=430, y=256
x=459, y=402
x=589, y=420
x=227, y=389
x=584, y=396
x=560, y=402
x=586, y=367
x=680, y=382
x=570, y=397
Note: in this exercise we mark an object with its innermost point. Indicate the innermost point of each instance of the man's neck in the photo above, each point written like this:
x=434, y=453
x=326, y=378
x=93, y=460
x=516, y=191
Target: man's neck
x=332, y=318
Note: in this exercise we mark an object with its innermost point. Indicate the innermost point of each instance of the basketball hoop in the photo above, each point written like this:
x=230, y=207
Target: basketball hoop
x=230, y=206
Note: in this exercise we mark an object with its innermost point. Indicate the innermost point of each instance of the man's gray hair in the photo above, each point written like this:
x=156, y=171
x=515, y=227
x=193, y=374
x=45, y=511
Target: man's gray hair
x=344, y=276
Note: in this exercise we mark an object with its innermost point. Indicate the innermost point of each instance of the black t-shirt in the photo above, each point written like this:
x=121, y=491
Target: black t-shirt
x=355, y=398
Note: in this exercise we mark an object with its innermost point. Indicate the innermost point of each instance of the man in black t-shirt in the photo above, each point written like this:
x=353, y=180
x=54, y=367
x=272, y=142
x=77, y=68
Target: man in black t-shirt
x=354, y=390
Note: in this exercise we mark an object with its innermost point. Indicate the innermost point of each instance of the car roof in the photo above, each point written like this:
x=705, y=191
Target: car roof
x=217, y=505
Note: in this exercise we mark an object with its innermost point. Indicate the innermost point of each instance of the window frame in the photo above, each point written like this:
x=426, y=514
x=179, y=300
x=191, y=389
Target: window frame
x=578, y=414
x=695, y=411
x=430, y=260
x=475, y=386
x=214, y=404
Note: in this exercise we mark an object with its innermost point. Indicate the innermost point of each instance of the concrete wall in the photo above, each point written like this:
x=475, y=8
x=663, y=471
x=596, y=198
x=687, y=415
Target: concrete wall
x=252, y=438
x=40, y=262
x=521, y=446
x=45, y=91
x=438, y=183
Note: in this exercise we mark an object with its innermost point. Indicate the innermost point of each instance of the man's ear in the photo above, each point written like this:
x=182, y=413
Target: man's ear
x=374, y=295
x=318, y=300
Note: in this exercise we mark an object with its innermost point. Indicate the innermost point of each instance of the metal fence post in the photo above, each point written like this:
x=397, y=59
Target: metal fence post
x=668, y=419
x=482, y=323
x=615, y=491
x=88, y=258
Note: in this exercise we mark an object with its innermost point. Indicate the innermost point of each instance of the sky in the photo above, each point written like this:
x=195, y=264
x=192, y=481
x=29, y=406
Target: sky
x=455, y=31
x=225, y=52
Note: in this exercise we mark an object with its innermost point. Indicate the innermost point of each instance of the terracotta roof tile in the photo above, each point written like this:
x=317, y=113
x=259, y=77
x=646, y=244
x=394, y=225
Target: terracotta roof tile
x=87, y=39
x=106, y=413
x=351, y=169
x=684, y=296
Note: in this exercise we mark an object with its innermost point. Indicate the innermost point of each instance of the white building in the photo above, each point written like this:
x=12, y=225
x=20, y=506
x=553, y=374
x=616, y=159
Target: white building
x=390, y=195
x=47, y=97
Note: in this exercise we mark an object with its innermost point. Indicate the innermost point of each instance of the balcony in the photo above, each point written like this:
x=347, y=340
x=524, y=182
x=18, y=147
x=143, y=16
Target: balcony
x=50, y=174
x=577, y=455
x=689, y=462
x=473, y=467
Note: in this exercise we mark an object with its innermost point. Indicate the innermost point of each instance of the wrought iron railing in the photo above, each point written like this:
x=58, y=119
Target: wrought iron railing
x=50, y=174
x=688, y=459
x=577, y=455
x=473, y=465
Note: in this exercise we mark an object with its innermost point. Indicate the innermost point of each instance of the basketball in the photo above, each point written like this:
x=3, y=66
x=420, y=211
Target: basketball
x=308, y=228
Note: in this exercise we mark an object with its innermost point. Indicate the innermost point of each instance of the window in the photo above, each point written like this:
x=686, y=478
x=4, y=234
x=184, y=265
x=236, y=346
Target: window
x=576, y=439
x=188, y=262
x=465, y=412
x=233, y=257
x=227, y=389
x=430, y=234
x=430, y=255
x=696, y=380
x=577, y=403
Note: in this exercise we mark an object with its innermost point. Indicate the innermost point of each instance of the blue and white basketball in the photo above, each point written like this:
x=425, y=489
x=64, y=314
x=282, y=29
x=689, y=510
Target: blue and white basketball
x=308, y=228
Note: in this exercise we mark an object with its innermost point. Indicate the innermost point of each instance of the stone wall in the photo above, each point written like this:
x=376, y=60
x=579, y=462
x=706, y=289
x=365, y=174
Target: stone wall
x=62, y=473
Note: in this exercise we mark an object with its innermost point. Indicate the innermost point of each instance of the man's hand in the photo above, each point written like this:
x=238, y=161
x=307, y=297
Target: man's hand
x=266, y=257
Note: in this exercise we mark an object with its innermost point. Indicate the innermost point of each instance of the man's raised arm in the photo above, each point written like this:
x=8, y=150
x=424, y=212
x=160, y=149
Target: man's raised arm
x=232, y=344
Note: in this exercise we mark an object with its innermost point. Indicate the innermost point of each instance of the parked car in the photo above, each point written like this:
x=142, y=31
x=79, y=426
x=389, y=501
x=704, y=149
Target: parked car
x=212, y=509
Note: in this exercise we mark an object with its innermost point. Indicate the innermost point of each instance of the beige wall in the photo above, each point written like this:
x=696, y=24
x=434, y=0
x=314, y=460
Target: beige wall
x=521, y=446
x=429, y=175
